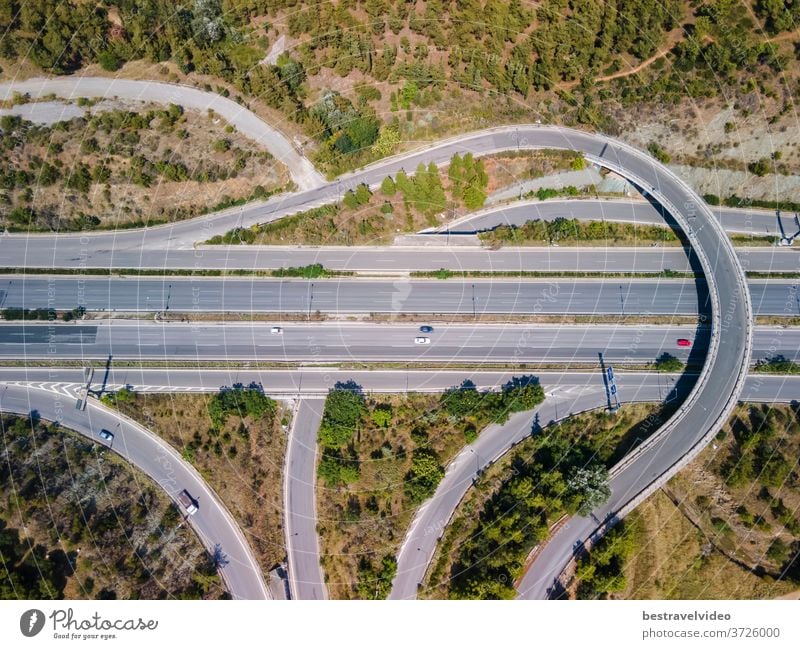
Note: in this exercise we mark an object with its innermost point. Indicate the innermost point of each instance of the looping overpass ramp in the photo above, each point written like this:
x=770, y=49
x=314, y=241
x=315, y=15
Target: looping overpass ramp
x=718, y=386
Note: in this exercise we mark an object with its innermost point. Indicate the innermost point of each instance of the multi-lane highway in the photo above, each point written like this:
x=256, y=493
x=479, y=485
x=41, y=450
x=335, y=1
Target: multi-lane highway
x=212, y=522
x=721, y=378
x=363, y=342
x=154, y=250
x=402, y=295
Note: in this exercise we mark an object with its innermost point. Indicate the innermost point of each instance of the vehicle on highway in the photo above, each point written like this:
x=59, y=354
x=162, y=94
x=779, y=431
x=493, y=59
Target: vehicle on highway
x=189, y=503
x=426, y=329
x=422, y=340
x=684, y=342
x=107, y=435
x=276, y=330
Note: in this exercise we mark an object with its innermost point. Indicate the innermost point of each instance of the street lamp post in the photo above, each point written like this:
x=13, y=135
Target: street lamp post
x=474, y=309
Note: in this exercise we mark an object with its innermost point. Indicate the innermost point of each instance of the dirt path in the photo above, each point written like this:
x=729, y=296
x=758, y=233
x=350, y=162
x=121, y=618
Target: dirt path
x=301, y=169
x=675, y=36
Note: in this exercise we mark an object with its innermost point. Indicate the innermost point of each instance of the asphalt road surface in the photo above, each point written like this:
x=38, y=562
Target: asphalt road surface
x=751, y=222
x=246, y=122
x=300, y=500
x=721, y=379
x=468, y=297
x=340, y=341
x=133, y=249
x=212, y=522
x=563, y=400
x=567, y=393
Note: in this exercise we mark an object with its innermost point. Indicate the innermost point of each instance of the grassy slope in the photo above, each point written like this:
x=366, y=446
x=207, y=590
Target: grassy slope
x=249, y=481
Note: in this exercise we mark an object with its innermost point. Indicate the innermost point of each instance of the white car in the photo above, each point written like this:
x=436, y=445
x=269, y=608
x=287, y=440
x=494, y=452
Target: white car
x=276, y=330
x=106, y=435
x=422, y=340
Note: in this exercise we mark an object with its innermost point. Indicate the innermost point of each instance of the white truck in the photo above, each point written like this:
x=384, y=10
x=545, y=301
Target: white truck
x=189, y=503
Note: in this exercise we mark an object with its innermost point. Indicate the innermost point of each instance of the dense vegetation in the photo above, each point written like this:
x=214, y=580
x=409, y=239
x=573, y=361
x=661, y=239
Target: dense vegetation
x=381, y=457
x=668, y=363
x=340, y=419
x=240, y=401
x=562, y=230
x=66, y=176
x=78, y=522
x=412, y=56
x=758, y=454
x=561, y=476
x=364, y=217
x=600, y=572
x=558, y=470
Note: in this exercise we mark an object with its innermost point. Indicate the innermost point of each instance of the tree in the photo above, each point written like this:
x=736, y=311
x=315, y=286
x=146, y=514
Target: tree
x=375, y=583
x=239, y=400
x=363, y=194
x=523, y=393
x=668, y=363
x=109, y=61
x=425, y=474
x=461, y=401
x=590, y=483
x=760, y=168
x=387, y=142
x=343, y=409
x=388, y=187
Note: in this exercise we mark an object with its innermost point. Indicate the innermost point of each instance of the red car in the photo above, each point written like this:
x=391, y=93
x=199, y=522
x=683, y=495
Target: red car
x=684, y=342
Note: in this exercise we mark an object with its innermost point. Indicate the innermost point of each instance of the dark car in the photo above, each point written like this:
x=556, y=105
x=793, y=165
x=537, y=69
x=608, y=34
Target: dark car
x=426, y=329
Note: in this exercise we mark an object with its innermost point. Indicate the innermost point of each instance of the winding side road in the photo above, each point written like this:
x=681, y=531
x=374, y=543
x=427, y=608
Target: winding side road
x=213, y=523
x=718, y=386
x=300, y=168
x=306, y=580
x=564, y=399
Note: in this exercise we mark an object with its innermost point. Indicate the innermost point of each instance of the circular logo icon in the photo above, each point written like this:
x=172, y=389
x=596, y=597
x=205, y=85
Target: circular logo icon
x=31, y=622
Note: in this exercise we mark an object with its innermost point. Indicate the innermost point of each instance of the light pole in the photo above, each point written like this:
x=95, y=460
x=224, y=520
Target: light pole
x=474, y=309
x=310, y=300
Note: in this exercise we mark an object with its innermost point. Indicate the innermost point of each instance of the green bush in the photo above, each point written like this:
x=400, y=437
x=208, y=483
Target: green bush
x=341, y=416
x=424, y=476
x=240, y=401
x=312, y=271
x=376, y=582
x=668, y=363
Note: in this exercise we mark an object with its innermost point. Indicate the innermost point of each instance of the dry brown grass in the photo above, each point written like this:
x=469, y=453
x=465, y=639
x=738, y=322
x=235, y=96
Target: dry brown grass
x=677, y=561
x=368, y=519
x=119, y=201
x=509, y=168
x=249, y=480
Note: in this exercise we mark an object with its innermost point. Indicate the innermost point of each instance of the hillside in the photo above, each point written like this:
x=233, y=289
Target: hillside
x=388, y=72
